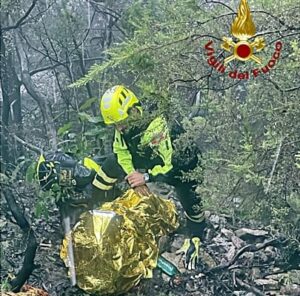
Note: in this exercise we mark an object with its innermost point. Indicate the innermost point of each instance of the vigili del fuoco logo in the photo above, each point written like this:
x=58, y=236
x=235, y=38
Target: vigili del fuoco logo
x=243, y=29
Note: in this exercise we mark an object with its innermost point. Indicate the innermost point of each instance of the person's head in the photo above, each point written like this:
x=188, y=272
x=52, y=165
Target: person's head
x=120, y=106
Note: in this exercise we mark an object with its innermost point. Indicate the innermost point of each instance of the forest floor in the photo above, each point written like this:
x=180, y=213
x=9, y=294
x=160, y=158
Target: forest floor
x=236, y=258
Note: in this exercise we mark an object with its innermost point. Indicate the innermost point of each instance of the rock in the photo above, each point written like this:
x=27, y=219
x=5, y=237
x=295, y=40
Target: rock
x=215, y=220
x=270, y=252
x=210, y=233
x=256, y=272
x=251, y=234
x=175, y=259
x=207, y=214
x=267, y=284
x=207, y=259
x=163, y=243
x=227, y=233
x=263, y=257
x=3, y=225
x=294, y=276
x=177, y=242
x=238, y=293
x=250, y=294
x=293, y=290
x=277, y=277
x=191, y=286
x=165, y=278
x=231, y=252
x=237, y=242
x=247, y=256
x=197, y=293
x=218, y=248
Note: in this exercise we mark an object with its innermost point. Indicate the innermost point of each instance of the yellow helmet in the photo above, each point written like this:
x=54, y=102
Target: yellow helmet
x=116, y=102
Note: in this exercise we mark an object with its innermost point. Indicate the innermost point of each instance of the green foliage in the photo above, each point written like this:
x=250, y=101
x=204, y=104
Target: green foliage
x=86, y=117
x=248, y=131
x=66, y=127
x=47, y=199
x=5, y=286
x=30, y=175
x=88, y=103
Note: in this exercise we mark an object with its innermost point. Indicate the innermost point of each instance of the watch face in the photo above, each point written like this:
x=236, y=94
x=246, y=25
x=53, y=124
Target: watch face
x=146, y=177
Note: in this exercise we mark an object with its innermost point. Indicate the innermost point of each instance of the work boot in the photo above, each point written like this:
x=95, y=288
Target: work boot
x=197, y=229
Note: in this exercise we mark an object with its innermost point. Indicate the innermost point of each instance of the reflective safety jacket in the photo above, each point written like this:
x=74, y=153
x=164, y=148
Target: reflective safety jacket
x=143, y=146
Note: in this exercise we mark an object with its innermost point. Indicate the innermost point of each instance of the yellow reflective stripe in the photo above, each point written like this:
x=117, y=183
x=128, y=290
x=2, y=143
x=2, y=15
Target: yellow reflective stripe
x=101, y=186
x=91, y=164
x=105, y=177
x=158, y=169
x=197, y=218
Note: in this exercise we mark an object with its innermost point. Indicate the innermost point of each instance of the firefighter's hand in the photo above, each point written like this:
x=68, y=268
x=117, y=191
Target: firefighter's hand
x=190, y=252
x=135, y=179
x=142, y=190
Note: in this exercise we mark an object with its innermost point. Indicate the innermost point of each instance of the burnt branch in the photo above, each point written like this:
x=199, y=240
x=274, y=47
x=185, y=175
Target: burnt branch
x=250, y=288
x=248, y=248
x=28, y=262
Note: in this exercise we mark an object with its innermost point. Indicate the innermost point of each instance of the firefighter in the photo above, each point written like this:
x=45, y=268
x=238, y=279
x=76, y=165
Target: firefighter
x=143, y=152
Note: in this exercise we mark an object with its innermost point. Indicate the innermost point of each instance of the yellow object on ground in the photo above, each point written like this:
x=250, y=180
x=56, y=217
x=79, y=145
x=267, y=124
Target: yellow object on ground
x=116, y=245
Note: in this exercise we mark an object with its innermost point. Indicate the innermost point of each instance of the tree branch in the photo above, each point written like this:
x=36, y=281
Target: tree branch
x=292, y=89
x=248, y=248
x=28, y=145
x=28, y=262
x=20, y=21
x=221, y=3
x=35, y=94
x=250, y=288
x=274, y=165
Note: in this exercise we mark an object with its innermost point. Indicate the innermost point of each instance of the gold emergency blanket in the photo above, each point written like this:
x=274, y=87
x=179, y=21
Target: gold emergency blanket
x=116, y=246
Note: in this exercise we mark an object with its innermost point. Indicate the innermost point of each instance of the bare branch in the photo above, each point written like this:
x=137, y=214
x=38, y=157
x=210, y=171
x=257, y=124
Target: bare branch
x=221, y=3
x=28, y=262
x=21, y=20
x=248, y=248
x=292, y=89
x=189, y=80
x=28, y=145
x=274, y=164
x=36, y=94
x=250, y=288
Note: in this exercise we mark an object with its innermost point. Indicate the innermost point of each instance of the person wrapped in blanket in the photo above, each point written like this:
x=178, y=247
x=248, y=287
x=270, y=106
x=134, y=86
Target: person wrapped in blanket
x=142, y=153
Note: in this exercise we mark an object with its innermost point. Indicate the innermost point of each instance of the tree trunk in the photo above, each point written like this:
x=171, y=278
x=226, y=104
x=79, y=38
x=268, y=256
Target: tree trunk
x=36, y=95
x=11, y=94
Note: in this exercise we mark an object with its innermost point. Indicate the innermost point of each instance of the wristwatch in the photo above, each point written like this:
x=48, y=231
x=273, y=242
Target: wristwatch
x=146, y=177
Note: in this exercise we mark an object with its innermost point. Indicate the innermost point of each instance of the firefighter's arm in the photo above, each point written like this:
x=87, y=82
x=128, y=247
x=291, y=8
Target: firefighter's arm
x=123, y=155
x=157, y=136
